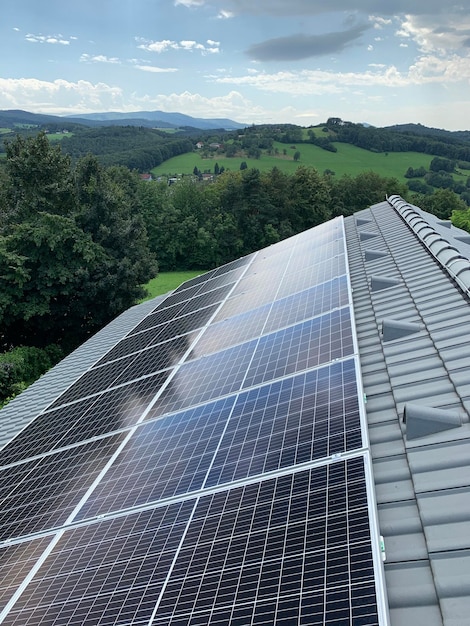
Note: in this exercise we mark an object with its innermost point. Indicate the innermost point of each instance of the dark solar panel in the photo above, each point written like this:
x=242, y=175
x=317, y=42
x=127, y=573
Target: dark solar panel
x=127, y=401
x=194, y=475
x=16, y=561
x=164, y=458
x=106, y=573
x=163, y=332
x=270, y=552
x=292, y=421
x=41, y=494
x=270, y=317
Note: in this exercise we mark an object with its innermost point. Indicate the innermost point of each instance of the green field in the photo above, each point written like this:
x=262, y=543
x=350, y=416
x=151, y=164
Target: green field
x=347, y=160
x=167, y=281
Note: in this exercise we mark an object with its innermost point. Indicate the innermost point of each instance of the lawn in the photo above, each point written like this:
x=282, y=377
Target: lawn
x=167, y=281
x=347, y=160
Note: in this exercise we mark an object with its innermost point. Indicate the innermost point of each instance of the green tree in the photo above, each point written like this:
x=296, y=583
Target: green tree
x=39, y=179
x=442, y=203
x=309, y=199
x=73, y=246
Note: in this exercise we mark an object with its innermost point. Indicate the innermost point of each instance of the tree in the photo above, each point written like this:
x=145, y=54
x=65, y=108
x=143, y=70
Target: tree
x=442, y=203
x=297, y=156
x=439, y=164
x=243, y=165
x=39, y=178
x=73, y=246
x=309, y=199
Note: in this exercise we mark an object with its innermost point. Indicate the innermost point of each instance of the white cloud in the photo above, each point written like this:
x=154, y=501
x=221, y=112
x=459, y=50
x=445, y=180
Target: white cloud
x=379, y=22
x=437, y=34
x=156, y=70
x=58, y=96
x=426, y=70
x=232, y=105
x=99, y=58
x=210, y=47
x=225, y=15
x=52, y=39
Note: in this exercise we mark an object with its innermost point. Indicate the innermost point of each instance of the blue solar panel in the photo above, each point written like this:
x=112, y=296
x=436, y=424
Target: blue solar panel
x=210, y=469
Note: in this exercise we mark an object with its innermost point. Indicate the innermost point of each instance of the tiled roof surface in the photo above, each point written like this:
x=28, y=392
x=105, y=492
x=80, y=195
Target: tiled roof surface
x=422, y=485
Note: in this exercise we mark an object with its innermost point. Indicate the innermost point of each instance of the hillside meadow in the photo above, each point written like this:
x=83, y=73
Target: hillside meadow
x=167, y=281
x=347, y=160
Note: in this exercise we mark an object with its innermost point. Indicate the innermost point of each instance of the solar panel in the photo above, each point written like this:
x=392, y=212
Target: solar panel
x=211, y=469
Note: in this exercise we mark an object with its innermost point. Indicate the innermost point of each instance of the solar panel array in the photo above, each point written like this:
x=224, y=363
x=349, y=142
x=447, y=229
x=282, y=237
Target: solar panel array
x=211, y=468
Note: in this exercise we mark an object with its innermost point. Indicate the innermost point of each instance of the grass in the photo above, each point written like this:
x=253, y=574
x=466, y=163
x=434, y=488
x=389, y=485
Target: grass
x=167, y=281
x=347, y=160
x=58, y=136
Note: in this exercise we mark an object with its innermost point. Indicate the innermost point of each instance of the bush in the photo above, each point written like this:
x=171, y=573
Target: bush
x=22, y=366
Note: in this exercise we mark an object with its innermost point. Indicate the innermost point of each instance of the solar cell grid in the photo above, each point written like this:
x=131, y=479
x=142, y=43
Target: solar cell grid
x=243, y=301
x=260, y=279
x=285, y=352
x=207, y=298
x=230, y=332
x=228, y=278
x=166, y=312
x=115, y=408
x=292, y=421
x=269, y=544
x=180, y=296
x=158, y=317
x=163, y=458
x=44, y=433
x=16, y=562
x=228, y=267
x=312, y=275
x=308, y=255
x=163, y=332
x=277, y=389
x=205, y=379
x=195, y=281
x=41, y=494
x=308, y=303
x=295, y=279
x=301, y=347
x=97, y=379
x=271, y=317
x=106, y=573
x=162, y=356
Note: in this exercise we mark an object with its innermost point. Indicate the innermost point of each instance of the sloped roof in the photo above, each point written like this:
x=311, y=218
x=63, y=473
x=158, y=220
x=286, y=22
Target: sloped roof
x=422, y=484
x=412, y=321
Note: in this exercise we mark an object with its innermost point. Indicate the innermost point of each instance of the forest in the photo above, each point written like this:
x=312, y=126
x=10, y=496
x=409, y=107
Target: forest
x=79, y=239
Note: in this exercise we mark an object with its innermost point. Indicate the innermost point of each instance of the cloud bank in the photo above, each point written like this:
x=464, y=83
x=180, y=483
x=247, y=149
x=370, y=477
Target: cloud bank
x=299, y=46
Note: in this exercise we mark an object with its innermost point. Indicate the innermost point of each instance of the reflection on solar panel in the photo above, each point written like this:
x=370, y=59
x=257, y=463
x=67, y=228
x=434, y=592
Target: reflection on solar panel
x=212, y=468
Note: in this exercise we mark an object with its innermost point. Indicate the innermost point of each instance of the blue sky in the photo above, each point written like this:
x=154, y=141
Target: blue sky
x=298, y=61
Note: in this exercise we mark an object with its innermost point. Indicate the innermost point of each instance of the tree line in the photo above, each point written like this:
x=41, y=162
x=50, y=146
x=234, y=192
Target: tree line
x=78, y=239
x=133, y=147
x=74, y=253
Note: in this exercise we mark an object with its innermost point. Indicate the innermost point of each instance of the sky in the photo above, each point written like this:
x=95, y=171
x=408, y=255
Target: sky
x=380, y=62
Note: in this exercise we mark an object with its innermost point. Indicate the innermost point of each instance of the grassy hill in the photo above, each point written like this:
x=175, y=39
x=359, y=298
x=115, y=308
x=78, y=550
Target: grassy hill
x=347, y=160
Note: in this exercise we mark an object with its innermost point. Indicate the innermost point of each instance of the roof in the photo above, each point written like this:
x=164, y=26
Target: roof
x=408, y=305
x=422, y=484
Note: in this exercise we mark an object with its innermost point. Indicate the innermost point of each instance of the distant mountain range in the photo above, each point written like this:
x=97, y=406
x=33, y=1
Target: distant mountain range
x=149, y=119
